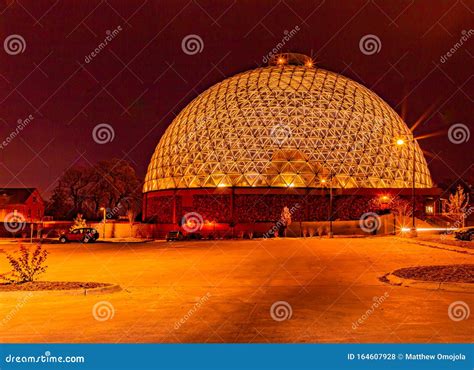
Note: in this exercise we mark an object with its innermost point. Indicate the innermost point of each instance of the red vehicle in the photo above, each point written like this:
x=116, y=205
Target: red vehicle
x=83, y=235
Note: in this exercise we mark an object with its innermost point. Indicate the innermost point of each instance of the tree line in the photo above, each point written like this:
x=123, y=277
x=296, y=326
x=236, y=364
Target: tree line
x=112, y=184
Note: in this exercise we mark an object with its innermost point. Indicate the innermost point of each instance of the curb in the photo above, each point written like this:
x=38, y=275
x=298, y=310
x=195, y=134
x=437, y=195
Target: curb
x=56, y=241
x=430, y=285
x=112, y=288
x=99, y=241
x=448, y=247
x=99, y=290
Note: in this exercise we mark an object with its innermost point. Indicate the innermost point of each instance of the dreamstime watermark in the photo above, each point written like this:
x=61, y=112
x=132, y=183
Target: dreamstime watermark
x=192, y=44
x=288, y=35
x=280, y=133
x=103, y=133
x=110, y=36
x=14, y=45
x=112, y=212
x=19, y=305
x=192, y=311
x=370, y=44
x=281, y=311
x=370, y=222
x=103, y=311
x=459, y=133
x=377, y=301
x=21, y=125
x=459, y=311
x=192, y=222
x=125, y=204
x=466, y=35
x=14, y=222
x=280, y=223
x=44, y=358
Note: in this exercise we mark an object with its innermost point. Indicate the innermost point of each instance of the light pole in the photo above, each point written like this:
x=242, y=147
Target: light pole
x=104, y=220
x=401, y=142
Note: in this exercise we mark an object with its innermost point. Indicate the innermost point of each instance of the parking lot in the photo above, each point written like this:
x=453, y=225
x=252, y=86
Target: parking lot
x=281, y=290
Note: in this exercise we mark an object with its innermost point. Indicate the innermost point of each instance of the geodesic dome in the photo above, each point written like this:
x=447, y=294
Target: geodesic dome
x=287, y=126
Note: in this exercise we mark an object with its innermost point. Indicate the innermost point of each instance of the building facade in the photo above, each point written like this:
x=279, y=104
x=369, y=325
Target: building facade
x=21, y=204
x=286, y=135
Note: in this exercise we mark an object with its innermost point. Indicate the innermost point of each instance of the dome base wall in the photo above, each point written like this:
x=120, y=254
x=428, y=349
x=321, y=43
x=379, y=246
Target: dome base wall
x=221, y=209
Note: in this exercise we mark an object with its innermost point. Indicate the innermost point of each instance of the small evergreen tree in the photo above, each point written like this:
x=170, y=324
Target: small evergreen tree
x=79, y=222
x=285, y=218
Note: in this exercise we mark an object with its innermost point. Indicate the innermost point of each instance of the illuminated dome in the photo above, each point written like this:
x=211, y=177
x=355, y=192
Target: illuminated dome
x=286, y=125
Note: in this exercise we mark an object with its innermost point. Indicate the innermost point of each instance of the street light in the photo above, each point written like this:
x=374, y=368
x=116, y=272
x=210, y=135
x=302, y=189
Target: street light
x=105, y=219
x=324, y=181
x=401, y=142
x=384, y=201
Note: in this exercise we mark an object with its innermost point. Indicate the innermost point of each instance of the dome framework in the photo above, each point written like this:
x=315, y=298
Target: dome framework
x=287, y=126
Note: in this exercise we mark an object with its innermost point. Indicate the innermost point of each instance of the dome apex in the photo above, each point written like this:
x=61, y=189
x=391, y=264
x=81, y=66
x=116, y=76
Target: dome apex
x=294, y=59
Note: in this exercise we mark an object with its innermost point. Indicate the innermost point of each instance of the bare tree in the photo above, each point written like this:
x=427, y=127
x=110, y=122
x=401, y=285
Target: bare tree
x=75, y=182
x=131, y=215
x=400, y=208
x=111, y=184
x=457, y=204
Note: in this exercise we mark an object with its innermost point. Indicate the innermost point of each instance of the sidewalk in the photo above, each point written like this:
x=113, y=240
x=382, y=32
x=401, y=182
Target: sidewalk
x=439, y=245
x=123, y=240
x=55, y=240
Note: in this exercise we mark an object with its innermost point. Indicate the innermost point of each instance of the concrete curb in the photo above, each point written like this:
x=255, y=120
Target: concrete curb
x=447, y=247
x=112, y=288
x=431, y=285
x=56, y=241
x=118, y=240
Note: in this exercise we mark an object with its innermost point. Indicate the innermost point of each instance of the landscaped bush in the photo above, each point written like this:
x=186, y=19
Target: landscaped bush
x=27, y=264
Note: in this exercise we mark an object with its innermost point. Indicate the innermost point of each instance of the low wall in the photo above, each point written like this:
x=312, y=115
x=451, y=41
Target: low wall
x=115, y=229
x=296, y=229
x=124, y=230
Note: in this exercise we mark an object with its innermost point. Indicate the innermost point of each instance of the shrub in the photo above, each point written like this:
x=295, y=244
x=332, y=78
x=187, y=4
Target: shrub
x=320, y=231
x=27, y=265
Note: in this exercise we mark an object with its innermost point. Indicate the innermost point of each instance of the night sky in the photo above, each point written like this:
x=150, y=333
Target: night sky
x=141, y=80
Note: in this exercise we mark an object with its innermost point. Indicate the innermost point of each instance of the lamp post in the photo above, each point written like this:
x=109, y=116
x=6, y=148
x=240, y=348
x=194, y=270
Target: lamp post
x=324, y=181
x=104, y=220
x=401, y=142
